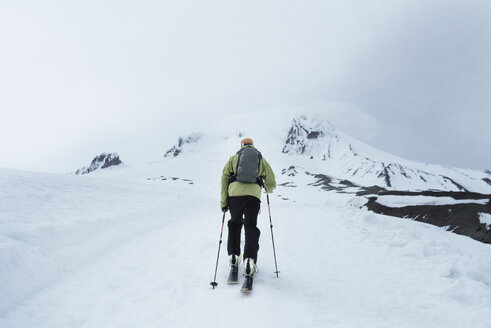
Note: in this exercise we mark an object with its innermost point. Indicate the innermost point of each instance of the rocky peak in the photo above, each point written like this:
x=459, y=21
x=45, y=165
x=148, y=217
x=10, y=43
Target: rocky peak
x=181, y=142
x=102, y=161
x=310, y=137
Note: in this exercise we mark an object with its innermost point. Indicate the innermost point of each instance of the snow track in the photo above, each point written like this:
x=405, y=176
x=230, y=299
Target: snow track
x=54, y=225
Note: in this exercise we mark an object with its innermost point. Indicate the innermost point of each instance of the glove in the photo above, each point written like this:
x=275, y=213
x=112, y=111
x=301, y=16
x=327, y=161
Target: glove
x=224, y=209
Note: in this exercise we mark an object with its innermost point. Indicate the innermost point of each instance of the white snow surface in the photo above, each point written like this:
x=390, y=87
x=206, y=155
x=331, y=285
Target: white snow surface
x=401, y=201
x=135, y=248
x=485, y=218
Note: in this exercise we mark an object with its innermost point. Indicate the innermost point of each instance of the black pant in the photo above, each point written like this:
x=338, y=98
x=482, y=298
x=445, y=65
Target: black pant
x=244, y=211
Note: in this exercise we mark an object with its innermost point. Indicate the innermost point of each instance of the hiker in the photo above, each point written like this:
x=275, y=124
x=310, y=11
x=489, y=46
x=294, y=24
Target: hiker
x=242, y=178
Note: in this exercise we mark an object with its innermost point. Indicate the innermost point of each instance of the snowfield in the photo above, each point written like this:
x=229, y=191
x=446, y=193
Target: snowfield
x=486, y=219
x=136, y=247
x=401, y=201
x=106, y=252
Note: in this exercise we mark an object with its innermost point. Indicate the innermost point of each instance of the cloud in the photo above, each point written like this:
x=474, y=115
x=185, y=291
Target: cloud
x=345, y=117
x=423, y=65
x=119, y=74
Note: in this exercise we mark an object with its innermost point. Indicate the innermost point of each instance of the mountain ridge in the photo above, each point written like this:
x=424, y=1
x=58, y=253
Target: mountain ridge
x=336, y=154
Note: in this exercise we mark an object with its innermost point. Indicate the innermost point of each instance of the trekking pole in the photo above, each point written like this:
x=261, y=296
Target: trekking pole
x=272, y=238
x=214, y=283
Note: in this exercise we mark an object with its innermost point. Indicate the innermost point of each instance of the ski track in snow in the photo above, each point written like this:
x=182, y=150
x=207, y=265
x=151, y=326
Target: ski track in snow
x=340, y=266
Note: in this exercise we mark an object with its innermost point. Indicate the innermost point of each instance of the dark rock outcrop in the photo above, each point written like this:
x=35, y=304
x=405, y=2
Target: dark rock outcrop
x=101, y=161
x=462, y=219
x=181, y=142
x=302, y=137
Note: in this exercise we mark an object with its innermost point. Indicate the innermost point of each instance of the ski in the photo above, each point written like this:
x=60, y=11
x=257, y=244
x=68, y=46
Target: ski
x=233, y=276
x=247, y=286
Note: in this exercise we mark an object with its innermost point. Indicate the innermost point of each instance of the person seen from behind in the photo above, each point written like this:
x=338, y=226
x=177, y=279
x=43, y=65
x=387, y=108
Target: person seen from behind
x=242, y=178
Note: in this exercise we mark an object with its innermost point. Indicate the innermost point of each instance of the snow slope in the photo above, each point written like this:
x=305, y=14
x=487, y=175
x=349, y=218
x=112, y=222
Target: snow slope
x=126, y=254
x=136, y=247
x=344, y=157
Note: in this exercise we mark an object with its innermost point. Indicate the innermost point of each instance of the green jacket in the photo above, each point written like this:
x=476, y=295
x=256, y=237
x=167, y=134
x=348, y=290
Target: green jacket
x=242, y=189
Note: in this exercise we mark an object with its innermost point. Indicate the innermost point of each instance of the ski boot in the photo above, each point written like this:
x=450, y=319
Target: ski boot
x=249, y=270
x=233, y=276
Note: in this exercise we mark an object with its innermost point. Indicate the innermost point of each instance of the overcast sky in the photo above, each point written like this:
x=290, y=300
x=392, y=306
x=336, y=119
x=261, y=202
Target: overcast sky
x=412, y=78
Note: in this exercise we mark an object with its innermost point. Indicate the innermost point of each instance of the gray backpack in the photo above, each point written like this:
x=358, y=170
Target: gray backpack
x=247, y=170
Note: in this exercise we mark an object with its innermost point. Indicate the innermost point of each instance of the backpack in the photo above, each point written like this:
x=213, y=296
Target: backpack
x=247, y=170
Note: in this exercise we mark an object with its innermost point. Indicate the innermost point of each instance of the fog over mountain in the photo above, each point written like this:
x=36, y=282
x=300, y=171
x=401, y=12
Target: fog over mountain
x=409, y=77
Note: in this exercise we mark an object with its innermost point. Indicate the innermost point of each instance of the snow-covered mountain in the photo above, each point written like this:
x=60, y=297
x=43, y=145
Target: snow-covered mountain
x=137, y=246
x=346, y=158
x=312, y=153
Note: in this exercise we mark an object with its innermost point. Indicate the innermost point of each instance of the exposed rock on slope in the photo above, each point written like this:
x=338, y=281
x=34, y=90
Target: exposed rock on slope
x=318, y=140
x=101, y=161
x=177, y=149
x=460, y=218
